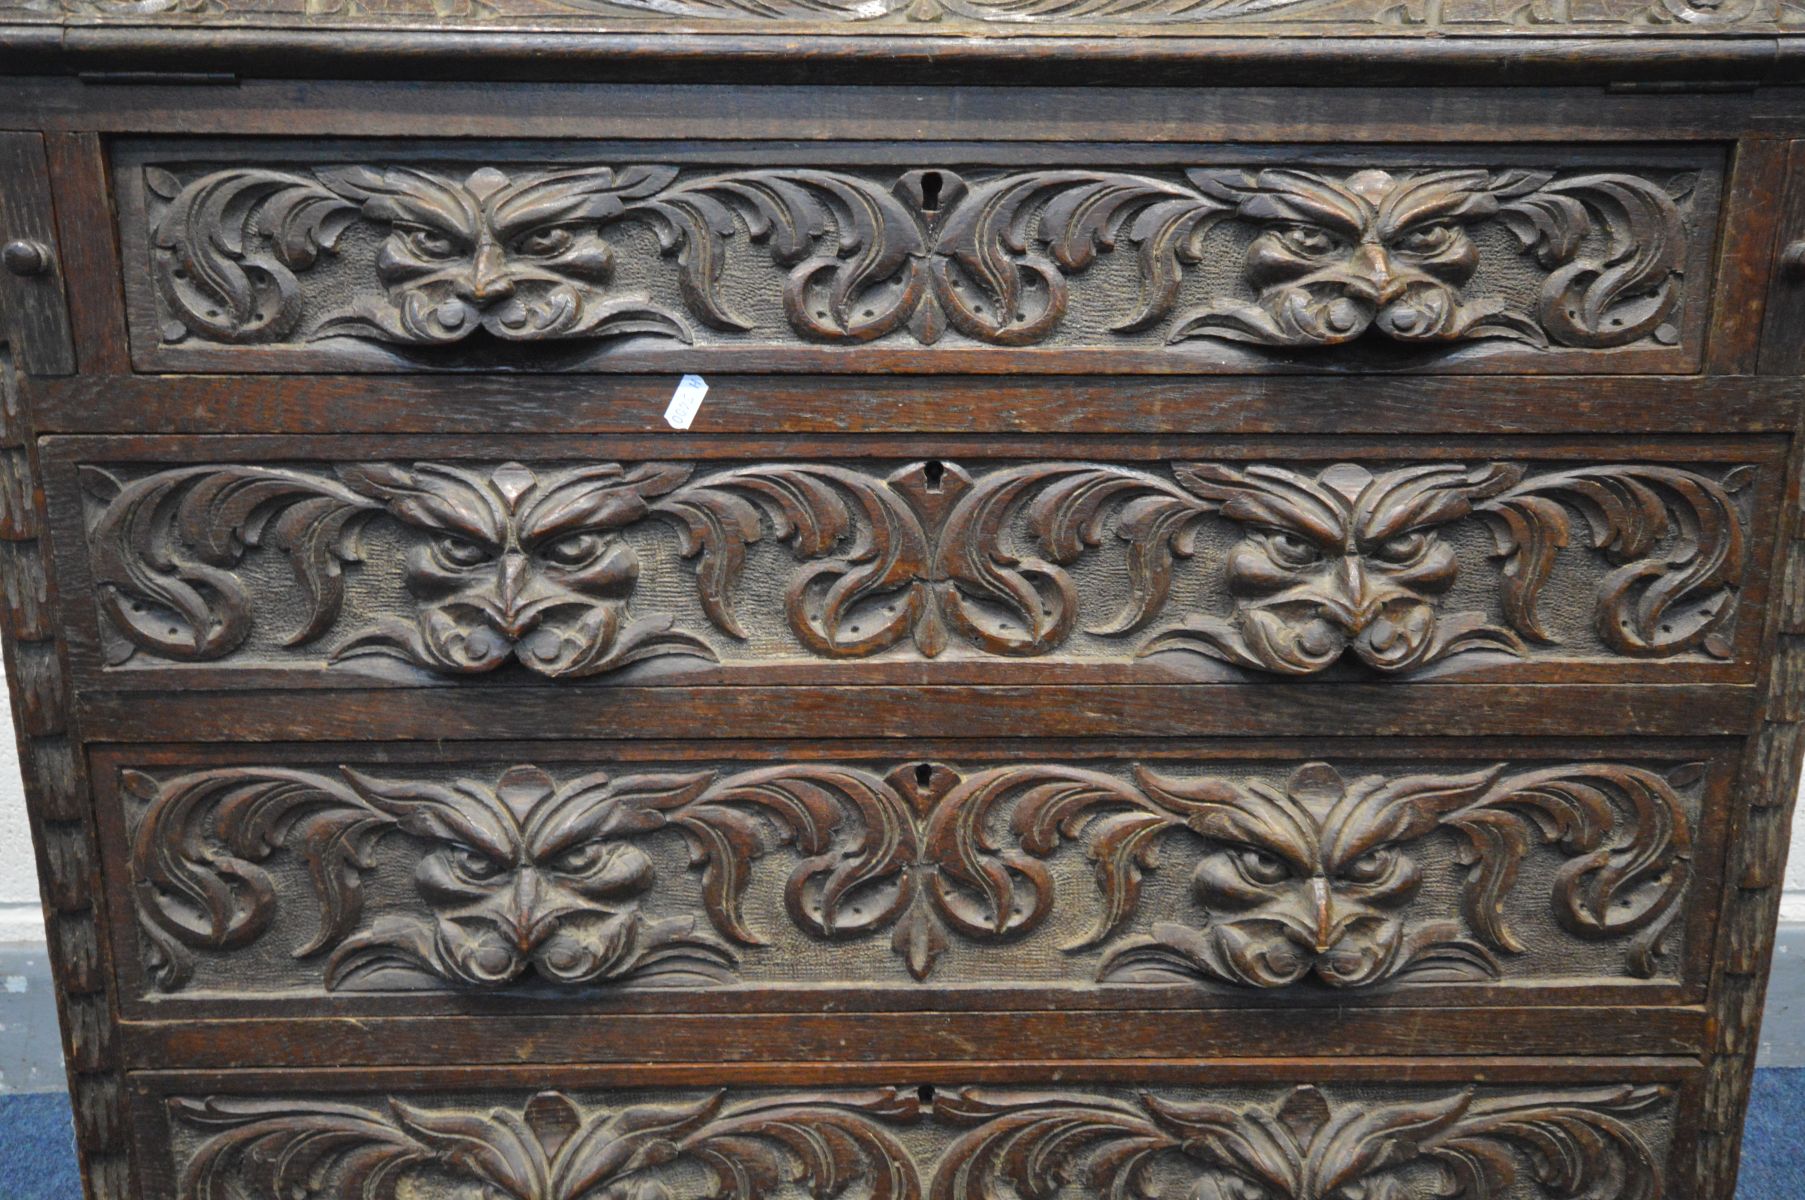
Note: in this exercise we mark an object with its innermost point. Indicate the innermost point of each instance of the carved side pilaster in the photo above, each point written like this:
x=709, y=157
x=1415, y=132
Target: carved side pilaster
x=1755, y=870
x=56, y=792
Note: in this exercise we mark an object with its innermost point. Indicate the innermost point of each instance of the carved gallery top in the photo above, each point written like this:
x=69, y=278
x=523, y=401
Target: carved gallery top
x=949, y=16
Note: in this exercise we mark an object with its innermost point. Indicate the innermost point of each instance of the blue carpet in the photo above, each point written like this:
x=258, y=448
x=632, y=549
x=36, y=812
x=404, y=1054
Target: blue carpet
x=37, y=1148
x=37, y=1144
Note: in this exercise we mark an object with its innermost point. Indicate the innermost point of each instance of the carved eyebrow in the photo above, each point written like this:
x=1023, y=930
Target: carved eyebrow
x=1460, y=196
x=403, y=196
x=1282, y=196
x=433, y=496
x=572, y=196
x=605, y=496
x=1414, y=498
x=1273, y=499
x=1266, y=819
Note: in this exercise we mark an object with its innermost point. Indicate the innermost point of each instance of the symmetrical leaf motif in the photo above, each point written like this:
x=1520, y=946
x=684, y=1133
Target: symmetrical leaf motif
x=525, y=877
x=1563, y=1143
x=1477, y=1143
x=1313, y=878
x=504, y=564
x=526, y=256
x=512, y=564
x=835, y=1145
x=1343, y=564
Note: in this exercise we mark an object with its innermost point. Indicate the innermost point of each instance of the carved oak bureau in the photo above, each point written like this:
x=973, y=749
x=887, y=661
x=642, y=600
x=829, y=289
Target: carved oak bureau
x=1221, y=615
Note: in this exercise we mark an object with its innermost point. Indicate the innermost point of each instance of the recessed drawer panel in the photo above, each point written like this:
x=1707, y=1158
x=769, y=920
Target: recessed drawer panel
x=734, y=876
x=1606, y=1130
x=239, y=562
x=264, y=256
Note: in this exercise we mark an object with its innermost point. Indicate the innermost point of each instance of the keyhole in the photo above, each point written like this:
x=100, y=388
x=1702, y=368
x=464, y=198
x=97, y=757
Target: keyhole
x=934, y=471
x=925, y=1093
x=924, y=775
x=930, y=191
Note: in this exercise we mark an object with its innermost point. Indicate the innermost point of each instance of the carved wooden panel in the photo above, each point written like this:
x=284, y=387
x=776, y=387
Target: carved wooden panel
x=1443, y=258
x=1304, y=1141
x=832, y=867
x=407, y=569
x=1251, y=17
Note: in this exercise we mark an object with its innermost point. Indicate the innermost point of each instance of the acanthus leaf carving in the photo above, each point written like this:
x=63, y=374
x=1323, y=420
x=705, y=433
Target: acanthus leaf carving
x=1673, y=535
x=164, y=548
x=1313, y=878
x=835, y=1145
x=1304, y=1147
x=512, y=563
x=1347, y=563
x=531, y=255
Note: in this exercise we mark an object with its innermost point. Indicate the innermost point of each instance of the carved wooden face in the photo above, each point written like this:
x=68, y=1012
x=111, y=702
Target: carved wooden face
x=519, y=259
x=1344, y=562
x=1337, y=258
x=1308, y=881
x=526, y=878
x=508, y=563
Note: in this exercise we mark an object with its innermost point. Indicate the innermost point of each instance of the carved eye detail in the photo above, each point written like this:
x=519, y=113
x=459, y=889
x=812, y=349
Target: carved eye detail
x=1403, y=550
x=1291, y=551
x=1311, y=241
x=472, y=865
x=1426, y=240
x=429, y=243
x=543, y=243
x=581, y=859
x=1370, y=867
x=573, y=550
x=459, y=552
x=1259, y=867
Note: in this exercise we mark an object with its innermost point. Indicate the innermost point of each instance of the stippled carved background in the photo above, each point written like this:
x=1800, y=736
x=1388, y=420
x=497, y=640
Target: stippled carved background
x=409, y=569
x=1423, y=259
x=269, y=879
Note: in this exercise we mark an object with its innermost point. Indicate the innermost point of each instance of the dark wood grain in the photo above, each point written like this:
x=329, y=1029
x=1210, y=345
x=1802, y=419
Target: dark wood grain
x=1782, y=349
x=1470, y=708
x=34, y=303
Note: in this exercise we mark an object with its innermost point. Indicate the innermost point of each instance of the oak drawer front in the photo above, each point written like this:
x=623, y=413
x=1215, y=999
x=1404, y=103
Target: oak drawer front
x=697, y=877
x=368, y=256
x=1612, y=1130
x=247, y=562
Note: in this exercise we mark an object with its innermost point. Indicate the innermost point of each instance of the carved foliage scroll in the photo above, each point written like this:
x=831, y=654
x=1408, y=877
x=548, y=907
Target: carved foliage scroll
x=1304, y=1147
x=966, y=1144
x=1282, y=257
x=535, y=566
x=1313, y=878
x=838, y=1145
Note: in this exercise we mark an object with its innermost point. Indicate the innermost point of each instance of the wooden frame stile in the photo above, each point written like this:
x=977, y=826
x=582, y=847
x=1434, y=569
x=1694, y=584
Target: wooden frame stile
x=56, y=792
